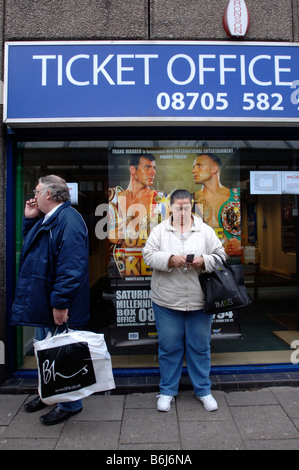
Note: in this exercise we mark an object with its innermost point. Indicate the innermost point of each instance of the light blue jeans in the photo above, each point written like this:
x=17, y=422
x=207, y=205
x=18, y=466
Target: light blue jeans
x=180, y=333
x=40, y=334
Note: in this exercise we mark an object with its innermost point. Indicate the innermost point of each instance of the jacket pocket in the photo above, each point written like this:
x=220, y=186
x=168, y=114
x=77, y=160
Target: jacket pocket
x=41, y=269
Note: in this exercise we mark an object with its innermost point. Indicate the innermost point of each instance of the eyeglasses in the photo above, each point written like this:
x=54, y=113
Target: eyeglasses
x=186, y=208
x=35, y=192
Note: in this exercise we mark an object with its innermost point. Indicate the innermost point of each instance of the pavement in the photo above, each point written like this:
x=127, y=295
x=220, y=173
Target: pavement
x=260, y=419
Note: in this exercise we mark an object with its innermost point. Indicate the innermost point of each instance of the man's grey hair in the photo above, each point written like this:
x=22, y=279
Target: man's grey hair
x=57, y=186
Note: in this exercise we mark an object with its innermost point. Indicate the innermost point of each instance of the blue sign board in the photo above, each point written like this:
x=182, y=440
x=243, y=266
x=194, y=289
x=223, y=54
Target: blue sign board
x=152, y=82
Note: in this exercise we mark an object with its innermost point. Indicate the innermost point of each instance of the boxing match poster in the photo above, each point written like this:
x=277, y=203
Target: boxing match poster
x=140, y=184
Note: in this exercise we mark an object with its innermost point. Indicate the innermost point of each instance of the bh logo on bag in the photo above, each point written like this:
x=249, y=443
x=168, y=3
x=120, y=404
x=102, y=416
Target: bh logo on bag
x=65, y=369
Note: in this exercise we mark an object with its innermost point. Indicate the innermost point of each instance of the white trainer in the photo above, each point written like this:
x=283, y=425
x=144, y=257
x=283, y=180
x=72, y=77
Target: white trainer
x=209, y=402
x=164, y=402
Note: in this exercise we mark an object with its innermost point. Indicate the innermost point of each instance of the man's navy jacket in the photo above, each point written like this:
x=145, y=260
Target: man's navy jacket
x=53, y=270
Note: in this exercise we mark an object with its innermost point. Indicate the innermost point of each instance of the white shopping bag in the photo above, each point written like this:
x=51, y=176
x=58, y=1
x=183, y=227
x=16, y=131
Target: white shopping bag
x=72, y=365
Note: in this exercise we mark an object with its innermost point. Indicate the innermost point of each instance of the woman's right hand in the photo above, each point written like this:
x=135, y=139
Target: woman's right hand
x=177, y=261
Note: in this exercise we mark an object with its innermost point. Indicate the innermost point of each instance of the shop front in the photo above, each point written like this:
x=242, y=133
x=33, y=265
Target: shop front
x=207, y=117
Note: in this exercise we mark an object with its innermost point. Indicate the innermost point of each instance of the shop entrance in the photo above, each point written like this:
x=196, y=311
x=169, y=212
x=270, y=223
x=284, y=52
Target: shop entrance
x=263, y=236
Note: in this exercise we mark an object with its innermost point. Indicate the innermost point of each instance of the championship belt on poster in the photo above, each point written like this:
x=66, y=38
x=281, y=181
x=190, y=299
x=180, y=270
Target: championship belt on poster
x=129, y=262
x=231, y=214
x=231, y=218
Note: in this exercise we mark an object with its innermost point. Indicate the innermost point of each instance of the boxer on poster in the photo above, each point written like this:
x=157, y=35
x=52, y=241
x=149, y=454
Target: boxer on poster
x=133, y=212
x=219, y=206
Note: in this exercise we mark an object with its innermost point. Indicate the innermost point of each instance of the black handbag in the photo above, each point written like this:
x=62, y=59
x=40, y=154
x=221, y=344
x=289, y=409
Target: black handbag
x=224, y=288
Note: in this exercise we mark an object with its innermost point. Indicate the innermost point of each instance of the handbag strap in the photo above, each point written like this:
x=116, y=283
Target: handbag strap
x=220, y=263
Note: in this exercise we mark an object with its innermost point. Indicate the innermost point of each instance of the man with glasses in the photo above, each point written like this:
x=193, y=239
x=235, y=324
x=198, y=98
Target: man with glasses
x=53, y=280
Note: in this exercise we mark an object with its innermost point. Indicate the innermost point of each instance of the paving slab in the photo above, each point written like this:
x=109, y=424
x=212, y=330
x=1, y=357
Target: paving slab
x=210, y=435
x=102, y=408
x=89, y=435
x=27, y=444
x=141, y=400
x=251, y=397
x=149, y=426
x=9, y=407
x=189, y=408
x=154, y=446
x=263, y=422
x=288, y=397
x=28, y=425
x=273, y=444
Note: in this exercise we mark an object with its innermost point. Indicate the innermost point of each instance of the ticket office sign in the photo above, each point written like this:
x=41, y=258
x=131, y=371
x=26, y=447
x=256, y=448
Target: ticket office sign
x=149, y=81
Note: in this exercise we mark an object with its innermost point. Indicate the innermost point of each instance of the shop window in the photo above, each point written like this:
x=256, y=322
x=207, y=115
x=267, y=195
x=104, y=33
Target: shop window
x=258, y=230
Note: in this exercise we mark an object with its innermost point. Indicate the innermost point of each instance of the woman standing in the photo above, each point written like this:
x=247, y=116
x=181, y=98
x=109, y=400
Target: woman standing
x=178, y=301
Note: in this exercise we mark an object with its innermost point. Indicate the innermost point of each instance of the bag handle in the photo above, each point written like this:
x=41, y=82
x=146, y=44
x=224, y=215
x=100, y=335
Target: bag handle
x=54, y=332
x=220, y=263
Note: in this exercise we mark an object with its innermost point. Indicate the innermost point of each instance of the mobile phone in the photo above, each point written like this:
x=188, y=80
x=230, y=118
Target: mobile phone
x=189, y=258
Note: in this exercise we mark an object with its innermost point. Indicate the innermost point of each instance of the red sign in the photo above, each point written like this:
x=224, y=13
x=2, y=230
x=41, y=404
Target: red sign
x=236, y=18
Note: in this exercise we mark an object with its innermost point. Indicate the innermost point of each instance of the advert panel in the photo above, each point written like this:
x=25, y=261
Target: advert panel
x=141, y=182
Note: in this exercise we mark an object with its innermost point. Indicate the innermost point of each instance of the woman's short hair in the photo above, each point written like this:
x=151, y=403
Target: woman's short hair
x=180, y=194
x=57, y=186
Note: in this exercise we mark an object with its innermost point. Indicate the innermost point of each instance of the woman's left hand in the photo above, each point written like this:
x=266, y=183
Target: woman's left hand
x=198, y=262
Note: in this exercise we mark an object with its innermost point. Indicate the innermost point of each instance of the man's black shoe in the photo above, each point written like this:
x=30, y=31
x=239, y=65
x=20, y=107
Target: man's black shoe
x=57, y=415
x=34, y=405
